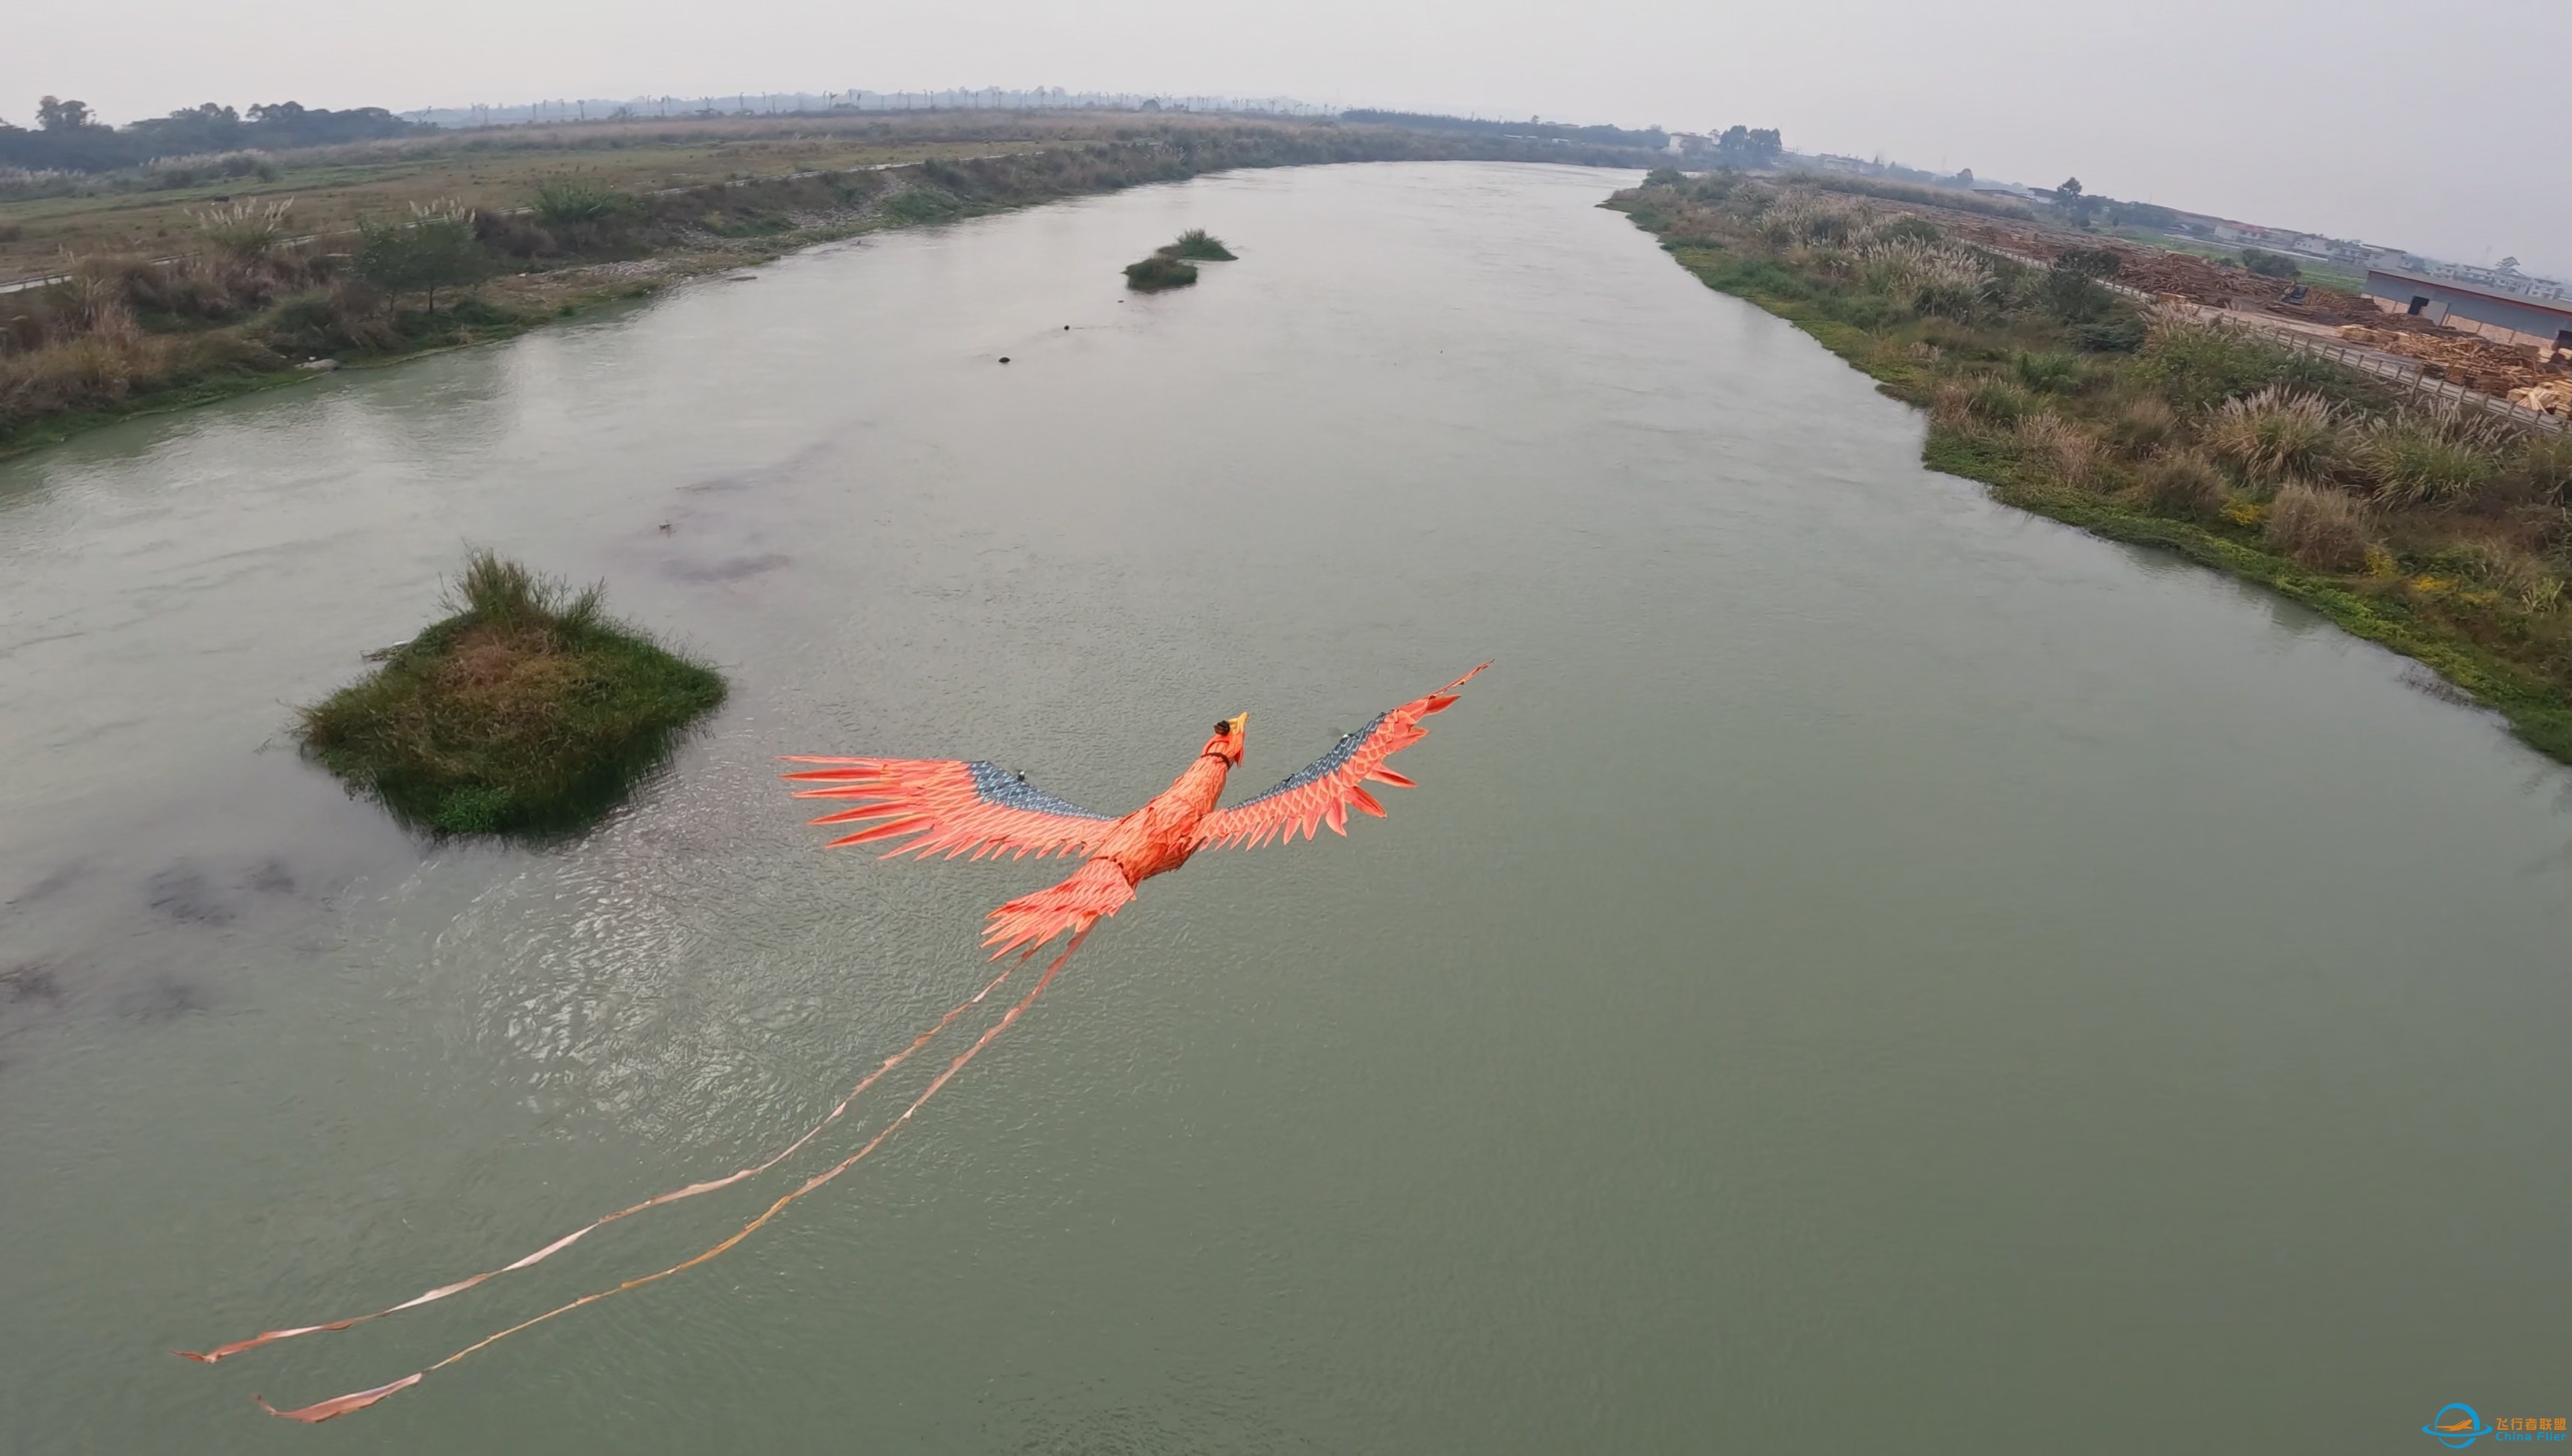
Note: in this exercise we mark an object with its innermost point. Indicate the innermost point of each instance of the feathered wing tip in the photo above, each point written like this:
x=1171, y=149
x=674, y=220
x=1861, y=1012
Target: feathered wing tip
x=1321, y=793
x=1098, y=889
x=946, y=807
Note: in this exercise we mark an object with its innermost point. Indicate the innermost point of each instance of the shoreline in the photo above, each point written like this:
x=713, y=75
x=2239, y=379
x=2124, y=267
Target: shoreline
x=776, y=216
x=2532, y=702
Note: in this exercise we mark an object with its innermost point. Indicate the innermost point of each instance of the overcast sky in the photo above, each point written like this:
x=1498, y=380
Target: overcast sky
x=2439, y=131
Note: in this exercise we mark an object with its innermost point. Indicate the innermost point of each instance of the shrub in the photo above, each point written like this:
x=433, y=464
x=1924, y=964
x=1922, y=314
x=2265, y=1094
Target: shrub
x=437, y=249
x=343, y=317
x=2071, y=453
x=2415, y=459
x=1910, y=227
x=2319, y=527
x=2184, y=484
x=1159, y=271
x=922, y=203
x=2540, y=467
x=2276, y=435
x=2144, y=426
x=2072, y=296
x=582, y=202
x=2048, y=373
x=2200, y=366
x=2270, y=264
x=2122, y=334
x=1198, y=244
x=244, y=230
x=512, y=235
x=1997, y=401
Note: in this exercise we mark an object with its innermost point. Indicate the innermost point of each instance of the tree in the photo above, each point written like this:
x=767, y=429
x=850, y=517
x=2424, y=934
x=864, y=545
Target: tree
x=63, y=116
x=2074, y=202
x=437, y=249
x=1744, y=147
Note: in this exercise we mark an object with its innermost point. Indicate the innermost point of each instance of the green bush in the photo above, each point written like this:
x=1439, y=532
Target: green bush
x=2319, y=527
x=1998, y=402
x=1198, y=244
x=1159, y=271
x=2184, y=484
x=2111, y=336
x=922, y=203
x=582, y=202
x=2048, y=373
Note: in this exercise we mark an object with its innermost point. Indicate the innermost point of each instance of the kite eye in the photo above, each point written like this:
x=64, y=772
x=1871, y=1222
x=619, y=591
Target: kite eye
x=1222, y=726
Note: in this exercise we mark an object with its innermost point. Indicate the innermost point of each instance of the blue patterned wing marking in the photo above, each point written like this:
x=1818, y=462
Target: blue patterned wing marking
x=1323, y=767
x=995, y=785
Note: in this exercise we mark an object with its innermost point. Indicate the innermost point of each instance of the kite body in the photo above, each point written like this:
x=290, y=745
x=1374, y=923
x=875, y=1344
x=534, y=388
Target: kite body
x=947, y=806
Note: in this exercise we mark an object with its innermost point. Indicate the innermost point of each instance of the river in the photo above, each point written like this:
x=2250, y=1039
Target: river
x=1867, y=970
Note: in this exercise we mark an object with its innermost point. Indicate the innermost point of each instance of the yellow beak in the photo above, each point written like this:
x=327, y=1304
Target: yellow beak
x=1239, y=721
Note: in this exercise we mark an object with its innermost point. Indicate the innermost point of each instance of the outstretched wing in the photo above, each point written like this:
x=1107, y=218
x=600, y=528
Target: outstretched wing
x=950, y=806
x=1323, y=791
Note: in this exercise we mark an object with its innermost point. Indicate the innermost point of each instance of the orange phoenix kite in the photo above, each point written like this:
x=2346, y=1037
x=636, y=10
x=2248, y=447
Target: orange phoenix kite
x=943, y=804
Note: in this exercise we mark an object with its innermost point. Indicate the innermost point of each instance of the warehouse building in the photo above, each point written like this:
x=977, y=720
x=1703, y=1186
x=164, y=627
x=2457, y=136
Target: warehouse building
x=2503, y=317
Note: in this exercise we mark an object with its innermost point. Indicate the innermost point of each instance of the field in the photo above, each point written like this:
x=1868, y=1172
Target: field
x=500, y=167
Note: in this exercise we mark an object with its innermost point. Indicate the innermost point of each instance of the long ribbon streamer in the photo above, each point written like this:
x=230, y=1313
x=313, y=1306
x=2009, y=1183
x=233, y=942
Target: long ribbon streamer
x=339, y=1405
x=269, y=1337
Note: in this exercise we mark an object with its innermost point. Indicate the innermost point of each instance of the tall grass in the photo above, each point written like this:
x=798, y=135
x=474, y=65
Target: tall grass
x=244, y=230
x=1199, y=246
x=574, y=200
x=2276, y=435
x=2318, y=526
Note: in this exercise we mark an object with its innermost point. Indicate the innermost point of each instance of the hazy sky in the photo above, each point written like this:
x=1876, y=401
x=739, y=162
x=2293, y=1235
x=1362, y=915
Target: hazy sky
x=2441, y=131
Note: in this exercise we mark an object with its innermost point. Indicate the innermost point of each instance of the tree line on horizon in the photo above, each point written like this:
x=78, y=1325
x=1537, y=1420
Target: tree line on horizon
x=70, y=137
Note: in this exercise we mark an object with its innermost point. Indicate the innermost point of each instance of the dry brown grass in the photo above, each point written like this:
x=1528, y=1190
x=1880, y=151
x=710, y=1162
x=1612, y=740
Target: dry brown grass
x=2184, y=484
x=2319, y=527
x=2067, y=449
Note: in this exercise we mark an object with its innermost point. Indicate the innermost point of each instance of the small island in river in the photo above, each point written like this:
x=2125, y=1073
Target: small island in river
x=1173, y=265
x=526, y=710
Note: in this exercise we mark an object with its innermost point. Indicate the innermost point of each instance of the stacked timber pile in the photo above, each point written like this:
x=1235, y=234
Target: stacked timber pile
x=2475, y=362
x=2551, y=398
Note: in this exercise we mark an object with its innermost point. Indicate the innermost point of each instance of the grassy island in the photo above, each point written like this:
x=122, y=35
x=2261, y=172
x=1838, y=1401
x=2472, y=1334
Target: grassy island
x=526, y=710
x=2444, y=533
x=1174, y=265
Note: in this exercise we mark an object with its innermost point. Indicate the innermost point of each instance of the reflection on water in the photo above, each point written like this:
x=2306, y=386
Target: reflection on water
x=1863, y=956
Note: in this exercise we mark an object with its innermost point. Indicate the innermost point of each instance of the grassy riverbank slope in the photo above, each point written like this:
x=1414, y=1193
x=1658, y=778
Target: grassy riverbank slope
x=174, y=296
x=2443, y=535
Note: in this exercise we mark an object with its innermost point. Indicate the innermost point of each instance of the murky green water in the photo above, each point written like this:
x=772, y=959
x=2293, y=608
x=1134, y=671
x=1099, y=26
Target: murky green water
x=1867, y=970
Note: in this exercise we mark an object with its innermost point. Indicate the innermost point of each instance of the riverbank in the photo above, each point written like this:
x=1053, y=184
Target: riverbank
x=182, y=302
x=2442, y=535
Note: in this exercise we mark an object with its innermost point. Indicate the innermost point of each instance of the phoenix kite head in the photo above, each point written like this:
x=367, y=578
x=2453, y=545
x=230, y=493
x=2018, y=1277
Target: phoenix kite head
x=1230, y=736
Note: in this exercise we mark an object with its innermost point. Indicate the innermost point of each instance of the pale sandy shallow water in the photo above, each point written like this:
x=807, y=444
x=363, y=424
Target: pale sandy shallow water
x=1868, y=970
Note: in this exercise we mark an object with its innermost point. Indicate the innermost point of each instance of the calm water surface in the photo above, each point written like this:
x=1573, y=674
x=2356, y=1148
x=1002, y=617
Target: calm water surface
x=1867, y=970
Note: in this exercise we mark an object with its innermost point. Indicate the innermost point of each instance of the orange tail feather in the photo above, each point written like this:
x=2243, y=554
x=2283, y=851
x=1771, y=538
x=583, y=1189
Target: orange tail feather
x=1098, y=889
